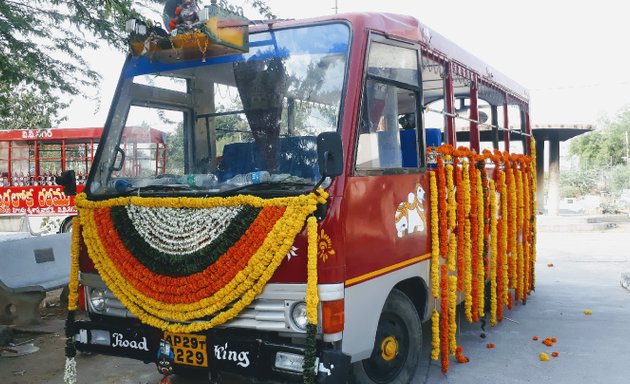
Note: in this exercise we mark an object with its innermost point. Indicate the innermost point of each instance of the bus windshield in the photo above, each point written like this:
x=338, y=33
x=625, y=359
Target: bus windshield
x=228, y=121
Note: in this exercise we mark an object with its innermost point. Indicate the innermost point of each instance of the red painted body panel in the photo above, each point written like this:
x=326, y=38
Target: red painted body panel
x=370, y=226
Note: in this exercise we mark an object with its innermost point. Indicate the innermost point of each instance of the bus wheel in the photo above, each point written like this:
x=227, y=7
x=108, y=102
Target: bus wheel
x=397, y=345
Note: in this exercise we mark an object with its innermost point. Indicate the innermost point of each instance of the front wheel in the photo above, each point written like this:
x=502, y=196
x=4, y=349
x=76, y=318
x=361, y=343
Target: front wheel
x=397, y=345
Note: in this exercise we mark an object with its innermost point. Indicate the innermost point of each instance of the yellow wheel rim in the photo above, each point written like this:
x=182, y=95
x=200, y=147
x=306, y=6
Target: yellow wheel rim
x=389, y=348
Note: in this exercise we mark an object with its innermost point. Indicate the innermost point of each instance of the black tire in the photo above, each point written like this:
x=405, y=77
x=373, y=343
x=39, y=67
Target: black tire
x=397, y=345
x=66, y=225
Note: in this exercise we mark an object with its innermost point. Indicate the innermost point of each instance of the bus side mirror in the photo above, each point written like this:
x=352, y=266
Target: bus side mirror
x=329, y=154
x=68, y=181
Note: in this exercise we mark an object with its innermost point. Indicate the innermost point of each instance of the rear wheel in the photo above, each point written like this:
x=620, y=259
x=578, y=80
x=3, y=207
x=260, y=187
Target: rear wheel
x=397, y=345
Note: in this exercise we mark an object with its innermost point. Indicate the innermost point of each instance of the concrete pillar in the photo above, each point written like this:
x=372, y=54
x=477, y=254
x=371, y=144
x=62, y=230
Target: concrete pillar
x=540, y=175
x=553, y=196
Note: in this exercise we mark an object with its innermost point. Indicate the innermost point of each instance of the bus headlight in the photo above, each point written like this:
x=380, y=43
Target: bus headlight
x=298, y=315
x=97, y=299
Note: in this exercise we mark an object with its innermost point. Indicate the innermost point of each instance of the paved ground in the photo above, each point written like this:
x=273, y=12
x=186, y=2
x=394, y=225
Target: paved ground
x=592, y=349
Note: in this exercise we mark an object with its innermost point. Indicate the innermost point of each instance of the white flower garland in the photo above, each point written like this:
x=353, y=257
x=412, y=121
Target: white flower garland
x=70, y=372
x=181, y=231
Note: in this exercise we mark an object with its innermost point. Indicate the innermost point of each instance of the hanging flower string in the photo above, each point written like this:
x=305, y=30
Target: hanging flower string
x=467, y=273
x=312, y=299
x=70, y=371
x=485, y=233
x=481, y=277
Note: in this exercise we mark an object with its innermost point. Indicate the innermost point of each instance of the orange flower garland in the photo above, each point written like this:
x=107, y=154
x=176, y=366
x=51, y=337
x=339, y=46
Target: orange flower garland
x=452, y=314
x=481, y=277
x=474, y=238
x=435, y=240
x=442, y=204
x=452, y=220
x=444, y=323
x=482, y=236
x=467, y=273
x=493, y=254
x=513, y=240
x=519, y=221
x=460, y=229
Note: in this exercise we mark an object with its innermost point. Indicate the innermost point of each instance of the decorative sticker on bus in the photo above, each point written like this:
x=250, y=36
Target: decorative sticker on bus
x=36, y=200
x=410, y=216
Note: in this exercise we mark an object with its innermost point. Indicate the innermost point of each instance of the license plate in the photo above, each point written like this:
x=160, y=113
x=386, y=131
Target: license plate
x=188, y=349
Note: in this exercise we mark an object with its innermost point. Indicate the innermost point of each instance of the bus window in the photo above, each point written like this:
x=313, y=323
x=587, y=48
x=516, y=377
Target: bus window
x=388, y=137
x=143, y=155
x=491, y=117
x=461, y=94
x=388, y=133
x=516, y=125
x=433, y=95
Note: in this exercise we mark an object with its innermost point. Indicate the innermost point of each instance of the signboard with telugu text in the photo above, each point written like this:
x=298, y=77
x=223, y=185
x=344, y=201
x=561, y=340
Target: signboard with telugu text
x=36, y=200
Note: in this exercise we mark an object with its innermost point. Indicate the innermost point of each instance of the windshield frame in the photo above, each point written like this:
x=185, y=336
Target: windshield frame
x=122, y=103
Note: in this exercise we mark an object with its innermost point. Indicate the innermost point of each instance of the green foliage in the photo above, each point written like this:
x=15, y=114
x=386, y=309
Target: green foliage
x=175, y=151
x=578, y=183
x=603, y=163
x=42, y=44
x=24, y=107
x=606, y=147
x=618, y=179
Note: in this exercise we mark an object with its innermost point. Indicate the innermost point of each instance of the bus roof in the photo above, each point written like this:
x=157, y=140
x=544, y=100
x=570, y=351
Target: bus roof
x=409, y=28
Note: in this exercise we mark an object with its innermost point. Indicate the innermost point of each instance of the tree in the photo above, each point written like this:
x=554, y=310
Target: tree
x=24, y=107
x=41, y=45
x=603, y=159
x=606, y=147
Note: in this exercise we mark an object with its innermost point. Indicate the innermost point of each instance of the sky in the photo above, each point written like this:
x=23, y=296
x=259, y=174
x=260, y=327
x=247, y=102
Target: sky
x=572, y=57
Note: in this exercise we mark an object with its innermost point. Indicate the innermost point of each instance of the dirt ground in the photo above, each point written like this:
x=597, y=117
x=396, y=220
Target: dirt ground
x=46, y=366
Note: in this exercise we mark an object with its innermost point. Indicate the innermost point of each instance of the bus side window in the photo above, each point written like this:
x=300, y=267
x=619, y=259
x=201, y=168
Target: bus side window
x=388, y=129
x=388, y=137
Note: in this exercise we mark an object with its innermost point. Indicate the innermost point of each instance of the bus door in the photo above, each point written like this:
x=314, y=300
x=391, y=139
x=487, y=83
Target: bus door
x=386, y=197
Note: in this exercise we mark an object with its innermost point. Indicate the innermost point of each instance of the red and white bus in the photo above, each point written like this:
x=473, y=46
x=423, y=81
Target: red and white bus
x=191, y=270
x=32, y=159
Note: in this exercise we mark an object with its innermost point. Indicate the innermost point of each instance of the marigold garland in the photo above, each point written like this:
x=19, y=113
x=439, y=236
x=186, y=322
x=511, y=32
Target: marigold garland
x=512, y=215
x=70, y=370
x=482, y=236
x=442, y=208
x=435, y=334
x=73, y=282
x=467, y=273
x=520, y=287
x=238, y=293
x=474, y=238
x=460, y=229
x=452, y=219
x=526, y=237
x=493, y=254
x=312, y=297
x=481, y=277
x=435, y=239
x=312, y=300
x=444, y=318
x=452, y=314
